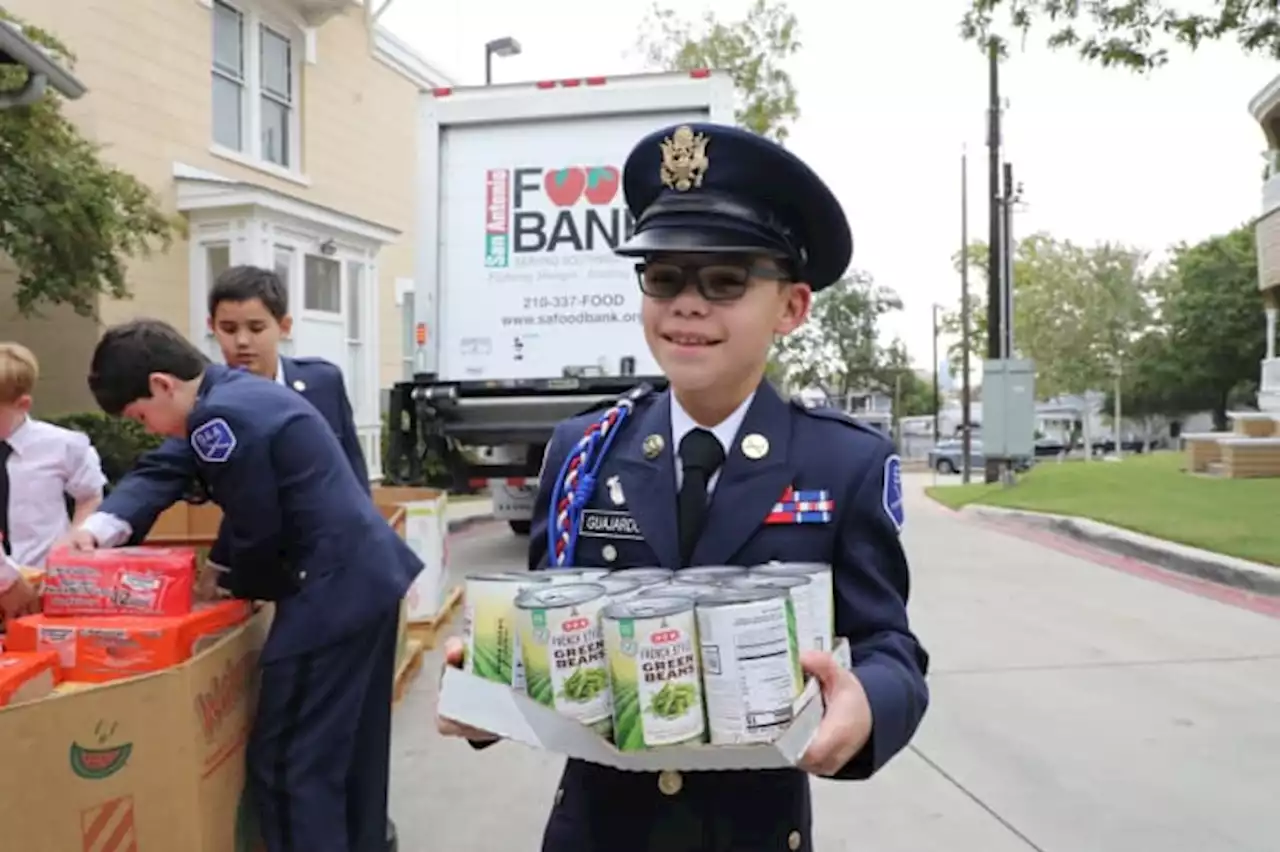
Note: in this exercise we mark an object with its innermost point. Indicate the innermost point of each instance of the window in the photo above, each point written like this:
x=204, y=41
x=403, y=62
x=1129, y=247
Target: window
x=283, y=265
x=228, y=77
x=355, y=334
x=322, y=285
x=217, y=261
x=276, y=60
x=255, y=87
x=408, y=339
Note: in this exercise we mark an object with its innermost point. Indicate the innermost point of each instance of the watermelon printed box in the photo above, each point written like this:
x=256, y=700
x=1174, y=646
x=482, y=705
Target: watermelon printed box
x=152, y=762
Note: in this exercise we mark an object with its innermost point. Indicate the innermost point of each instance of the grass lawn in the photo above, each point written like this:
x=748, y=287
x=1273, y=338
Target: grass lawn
x=1148, y=494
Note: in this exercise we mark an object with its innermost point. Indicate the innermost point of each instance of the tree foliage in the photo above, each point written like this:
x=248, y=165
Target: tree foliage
x=1206, y=352
x=1077, y=311
x=838, y=349
x=68, y=220
x=752, y=50
x=1135, y=34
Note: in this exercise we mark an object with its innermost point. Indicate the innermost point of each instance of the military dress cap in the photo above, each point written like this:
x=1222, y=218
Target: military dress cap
x=713, y=188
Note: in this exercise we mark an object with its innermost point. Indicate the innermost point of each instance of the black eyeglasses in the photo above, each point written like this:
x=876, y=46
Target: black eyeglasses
x=715, y=282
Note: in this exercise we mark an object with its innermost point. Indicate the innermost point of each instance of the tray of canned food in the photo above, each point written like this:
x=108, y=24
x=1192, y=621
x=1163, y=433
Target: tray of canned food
x=647, y=668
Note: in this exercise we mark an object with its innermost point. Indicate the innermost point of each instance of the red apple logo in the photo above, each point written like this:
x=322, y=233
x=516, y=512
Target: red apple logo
x=564, y=186
x=602, y=184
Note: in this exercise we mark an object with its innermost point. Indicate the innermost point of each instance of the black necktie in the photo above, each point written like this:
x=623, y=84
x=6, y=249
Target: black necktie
x=5, y=452
x=700, y=457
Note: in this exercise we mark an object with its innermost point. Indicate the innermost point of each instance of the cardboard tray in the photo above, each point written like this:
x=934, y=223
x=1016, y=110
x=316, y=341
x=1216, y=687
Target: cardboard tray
x=497, y=708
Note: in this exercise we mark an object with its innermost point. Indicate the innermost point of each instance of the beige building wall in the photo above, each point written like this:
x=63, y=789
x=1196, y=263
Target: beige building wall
x=146, y=64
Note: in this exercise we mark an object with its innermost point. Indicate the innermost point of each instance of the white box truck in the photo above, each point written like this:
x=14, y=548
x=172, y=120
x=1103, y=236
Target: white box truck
x=523, y=314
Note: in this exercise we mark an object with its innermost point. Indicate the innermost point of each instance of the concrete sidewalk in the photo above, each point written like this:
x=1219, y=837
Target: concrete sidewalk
x=1074, y=709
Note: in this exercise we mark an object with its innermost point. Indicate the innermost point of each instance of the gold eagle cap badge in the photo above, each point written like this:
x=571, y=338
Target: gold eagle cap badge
x=684, y=159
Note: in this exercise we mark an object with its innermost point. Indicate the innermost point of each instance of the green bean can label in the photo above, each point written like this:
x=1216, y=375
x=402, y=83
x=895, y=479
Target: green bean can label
x=563, y=646
x=821, y=596
x=652, y=649
x=750, y=657
x=489, y=627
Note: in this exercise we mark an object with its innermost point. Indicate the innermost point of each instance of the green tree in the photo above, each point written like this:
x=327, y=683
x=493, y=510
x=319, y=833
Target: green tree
x=1077, y=310
x=752, y=50
x=68, y=220
x=1135, y=34
x=1213, y=313
x=897, y=378
x=838, y=349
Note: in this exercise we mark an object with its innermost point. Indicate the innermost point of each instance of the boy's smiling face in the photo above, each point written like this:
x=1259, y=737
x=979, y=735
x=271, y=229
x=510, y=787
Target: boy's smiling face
x=718, y=345
x=249, y=335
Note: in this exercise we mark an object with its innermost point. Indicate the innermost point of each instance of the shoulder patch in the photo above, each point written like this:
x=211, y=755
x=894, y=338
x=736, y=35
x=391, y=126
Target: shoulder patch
x=213, y=441
x=891, y=497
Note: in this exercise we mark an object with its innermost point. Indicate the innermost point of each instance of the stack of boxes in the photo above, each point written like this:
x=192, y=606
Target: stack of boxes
x=107, y=615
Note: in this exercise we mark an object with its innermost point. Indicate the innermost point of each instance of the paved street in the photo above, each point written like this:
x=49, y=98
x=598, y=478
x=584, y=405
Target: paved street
x=1075, y=709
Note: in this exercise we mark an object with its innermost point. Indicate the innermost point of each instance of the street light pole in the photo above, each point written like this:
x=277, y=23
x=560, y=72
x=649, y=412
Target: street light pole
x=937, y=399
x=966, y=412
x=505, y=46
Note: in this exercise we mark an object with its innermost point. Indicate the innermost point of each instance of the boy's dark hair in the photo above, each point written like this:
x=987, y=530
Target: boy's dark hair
x=244, y=283
x=127, y=355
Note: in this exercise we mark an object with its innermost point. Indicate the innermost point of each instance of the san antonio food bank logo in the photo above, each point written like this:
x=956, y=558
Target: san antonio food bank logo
x=100, y=760
x=536, y=209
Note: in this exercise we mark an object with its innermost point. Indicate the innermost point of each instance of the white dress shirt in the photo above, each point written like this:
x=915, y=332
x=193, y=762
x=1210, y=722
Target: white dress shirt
x=110, y=531
x=725, y=432
x=47, y=462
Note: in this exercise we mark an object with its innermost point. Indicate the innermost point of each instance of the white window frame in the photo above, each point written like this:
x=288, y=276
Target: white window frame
x=407, y=307
x=254, y=17
x=257, y=241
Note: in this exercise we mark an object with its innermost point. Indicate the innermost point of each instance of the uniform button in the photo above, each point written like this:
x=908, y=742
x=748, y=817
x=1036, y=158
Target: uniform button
x=302, y=575
x=793, y=841
x=559, y=795
x=670, y=782
x=609, y=552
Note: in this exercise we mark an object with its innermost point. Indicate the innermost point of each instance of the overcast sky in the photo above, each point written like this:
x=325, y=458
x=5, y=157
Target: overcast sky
x=889, y=102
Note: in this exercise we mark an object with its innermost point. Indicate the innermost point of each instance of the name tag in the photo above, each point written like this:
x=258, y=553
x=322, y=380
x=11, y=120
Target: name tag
x=597, y=523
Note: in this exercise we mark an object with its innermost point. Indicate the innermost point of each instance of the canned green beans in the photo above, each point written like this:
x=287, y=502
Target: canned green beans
x=707, y=574
x=821, y=591
x=489, y=625
x=643, y=576
x=808, y=632
x=750, y=663
x=620, y=589
x=563, y=645
x=651, y=645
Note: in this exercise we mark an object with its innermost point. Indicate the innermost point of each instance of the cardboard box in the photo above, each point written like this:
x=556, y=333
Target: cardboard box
x=497, y=708
x=151, y=763
x=426, y=531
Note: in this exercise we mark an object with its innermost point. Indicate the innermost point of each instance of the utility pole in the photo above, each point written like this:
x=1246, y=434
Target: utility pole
x=966, y=424
x=937, y=397
x=995, y=206
x=1011, y=196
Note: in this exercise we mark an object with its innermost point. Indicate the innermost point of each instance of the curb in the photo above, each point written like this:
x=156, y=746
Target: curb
x=1171, y=556
x=458, y=525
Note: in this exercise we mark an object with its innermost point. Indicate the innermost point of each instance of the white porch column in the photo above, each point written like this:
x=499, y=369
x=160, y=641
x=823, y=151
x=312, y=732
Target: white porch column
x=1271, y=332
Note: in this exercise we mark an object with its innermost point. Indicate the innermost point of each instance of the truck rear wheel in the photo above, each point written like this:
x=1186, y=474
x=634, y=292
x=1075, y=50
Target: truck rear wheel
x=520, y=527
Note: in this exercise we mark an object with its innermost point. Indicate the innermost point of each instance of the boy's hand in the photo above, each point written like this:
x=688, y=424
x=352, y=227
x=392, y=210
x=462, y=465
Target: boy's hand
x=846, y=721
x=453, y=654
x=81, y=539
x=19, y=600
x=207, y=588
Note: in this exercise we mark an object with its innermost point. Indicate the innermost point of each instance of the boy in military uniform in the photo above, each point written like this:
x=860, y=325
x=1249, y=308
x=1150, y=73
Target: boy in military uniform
x=248, y=315
x=733, y=236
x=302, y=532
